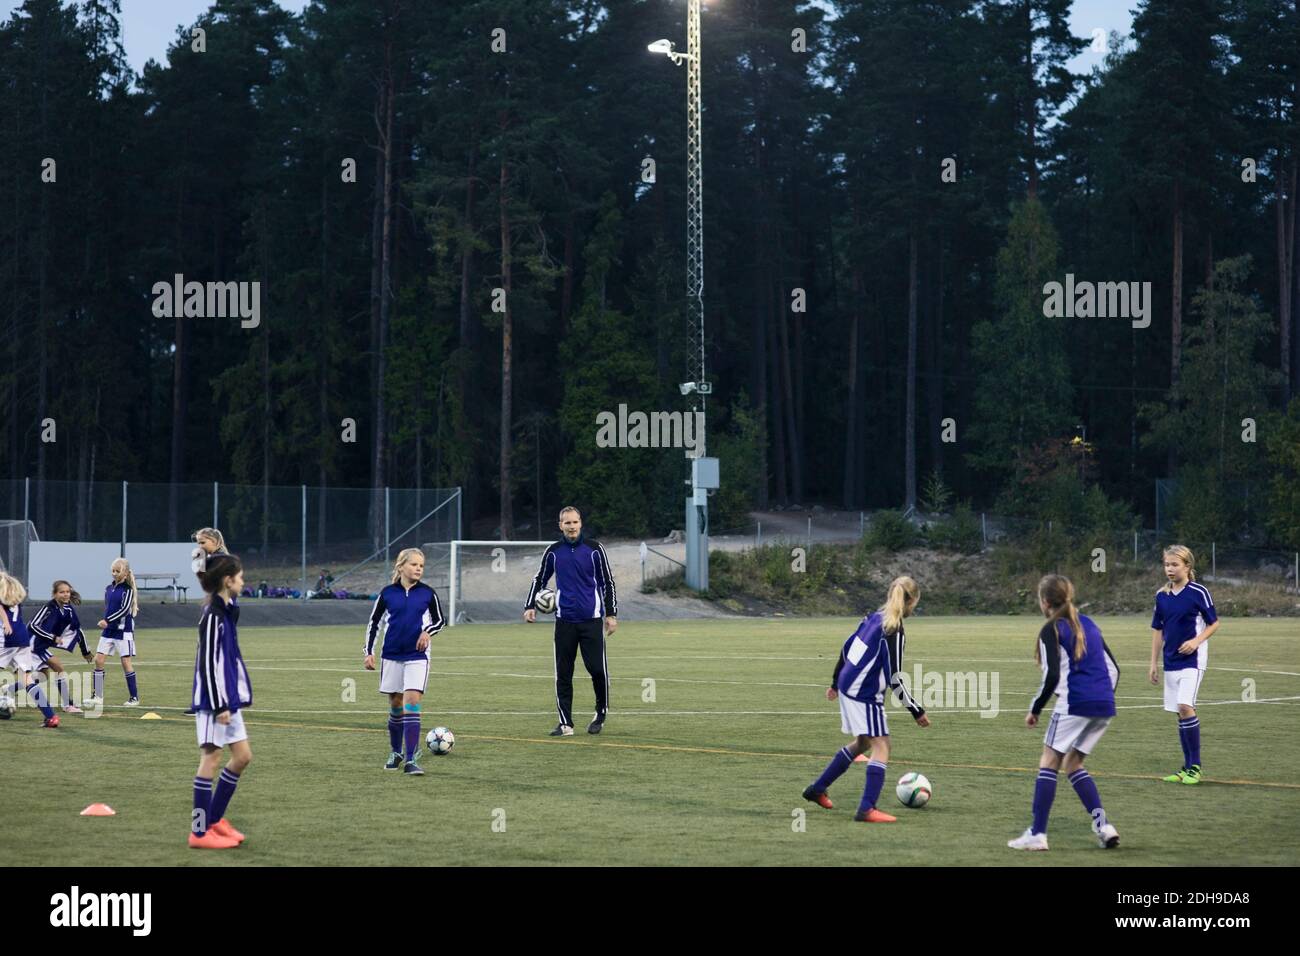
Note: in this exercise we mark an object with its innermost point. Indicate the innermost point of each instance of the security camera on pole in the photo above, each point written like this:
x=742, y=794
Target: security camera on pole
x=704, y=471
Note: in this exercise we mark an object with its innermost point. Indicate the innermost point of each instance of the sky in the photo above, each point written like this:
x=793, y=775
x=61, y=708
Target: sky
x=149, y=26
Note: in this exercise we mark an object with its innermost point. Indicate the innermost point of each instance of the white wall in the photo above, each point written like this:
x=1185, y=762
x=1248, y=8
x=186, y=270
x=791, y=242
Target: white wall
x=86, y=564
x=83, y=563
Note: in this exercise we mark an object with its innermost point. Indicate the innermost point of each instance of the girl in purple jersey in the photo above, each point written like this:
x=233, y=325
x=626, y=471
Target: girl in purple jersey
x=1184, y=619
x=1080, y=670
x=221, y=693
x=869, y=665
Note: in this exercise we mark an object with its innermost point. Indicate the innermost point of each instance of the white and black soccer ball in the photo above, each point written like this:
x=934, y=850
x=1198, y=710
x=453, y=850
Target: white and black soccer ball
x=7, y=707
x=913, y=790
x=440, y=740
x=545, y=601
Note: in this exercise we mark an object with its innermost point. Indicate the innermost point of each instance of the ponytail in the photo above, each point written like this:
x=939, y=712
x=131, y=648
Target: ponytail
x=899, y=603
x=1057, y=592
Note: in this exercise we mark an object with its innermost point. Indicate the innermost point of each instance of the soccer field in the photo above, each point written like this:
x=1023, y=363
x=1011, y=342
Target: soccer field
x=716, y=728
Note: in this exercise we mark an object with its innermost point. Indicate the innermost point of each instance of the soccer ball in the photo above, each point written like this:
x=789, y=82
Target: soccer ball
x=7, y=707
x=545, y=601
x=440, y=740
x=913, y=790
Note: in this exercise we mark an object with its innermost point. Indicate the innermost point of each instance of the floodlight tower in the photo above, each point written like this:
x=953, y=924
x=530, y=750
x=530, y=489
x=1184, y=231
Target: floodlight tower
x=704, y=471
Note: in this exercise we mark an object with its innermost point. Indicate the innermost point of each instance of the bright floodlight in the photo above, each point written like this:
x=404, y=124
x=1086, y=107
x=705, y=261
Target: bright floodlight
x=661, y=46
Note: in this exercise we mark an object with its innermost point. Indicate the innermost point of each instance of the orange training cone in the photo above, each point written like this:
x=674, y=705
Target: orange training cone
x=99, y=810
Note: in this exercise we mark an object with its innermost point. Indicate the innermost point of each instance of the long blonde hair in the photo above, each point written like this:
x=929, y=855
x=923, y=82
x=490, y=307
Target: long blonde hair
x=12, y=592
x=900, y=602
x=1183, y=554
x=130, y=580
x=406, y=554
x=1057, y=592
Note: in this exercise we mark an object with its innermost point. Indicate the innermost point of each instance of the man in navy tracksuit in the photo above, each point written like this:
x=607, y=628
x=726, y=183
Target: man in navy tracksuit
x=586, y=607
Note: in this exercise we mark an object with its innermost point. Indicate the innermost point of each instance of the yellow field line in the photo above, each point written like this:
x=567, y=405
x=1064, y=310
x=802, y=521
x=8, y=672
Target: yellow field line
x=733, y=753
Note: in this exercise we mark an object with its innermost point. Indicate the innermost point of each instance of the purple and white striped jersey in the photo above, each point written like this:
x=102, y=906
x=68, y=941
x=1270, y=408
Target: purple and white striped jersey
x=871, y=661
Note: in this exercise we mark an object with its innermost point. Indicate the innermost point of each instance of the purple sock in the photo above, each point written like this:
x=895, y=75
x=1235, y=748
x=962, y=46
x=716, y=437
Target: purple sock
x=1087, y=791
x=130, y=684
x=1189, y=730
x=38, y=698
x=411, y=724
x=226, y=783
x=99, y=683
x=1044, y=794
x=839, y=763
x=875, y=783
x=202, y=800
x=395, y=730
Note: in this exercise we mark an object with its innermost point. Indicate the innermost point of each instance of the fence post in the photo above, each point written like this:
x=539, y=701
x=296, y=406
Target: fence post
x=984, y=529
x=862, y=524
x=387, y=543
x=759, y=543
x=1135, y=547
x=123, y=554
x=27, y=538
x=304, y=542
x=1297, y=571
x=460, y=497
x=810, y=532
x=1214, y=559
x=215, y=523
x=452, y=587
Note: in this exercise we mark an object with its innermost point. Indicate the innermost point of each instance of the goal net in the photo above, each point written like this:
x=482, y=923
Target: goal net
x=489, y=580
x=16, y=536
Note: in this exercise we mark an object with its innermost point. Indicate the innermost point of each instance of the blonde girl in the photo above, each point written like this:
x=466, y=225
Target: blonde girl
x=1183, y=621
x=411, y=614
x=15, y=650
x=121, y=605
x=870, y=662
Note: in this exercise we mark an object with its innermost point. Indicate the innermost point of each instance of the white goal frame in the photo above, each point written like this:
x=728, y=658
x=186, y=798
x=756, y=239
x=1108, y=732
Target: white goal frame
x=453, y=578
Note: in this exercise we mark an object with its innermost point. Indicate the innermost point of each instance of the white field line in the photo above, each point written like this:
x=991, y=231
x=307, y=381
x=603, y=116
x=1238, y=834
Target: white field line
x=189, y=662
x=646, y=712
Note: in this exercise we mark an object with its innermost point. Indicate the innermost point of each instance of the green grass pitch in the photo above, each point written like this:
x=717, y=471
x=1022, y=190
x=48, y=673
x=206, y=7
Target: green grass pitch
x=703, y=766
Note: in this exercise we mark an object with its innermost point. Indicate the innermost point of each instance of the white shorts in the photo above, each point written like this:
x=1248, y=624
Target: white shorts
x=123, y=646
x=1066, y=732
x=218, y=735
x=397, y=676
x=1181, y=687
x=863, y=718
x=18, y=658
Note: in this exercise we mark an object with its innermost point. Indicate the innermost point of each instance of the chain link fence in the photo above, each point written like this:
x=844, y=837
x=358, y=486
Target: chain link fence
x=294, y=540
x=1040, y=542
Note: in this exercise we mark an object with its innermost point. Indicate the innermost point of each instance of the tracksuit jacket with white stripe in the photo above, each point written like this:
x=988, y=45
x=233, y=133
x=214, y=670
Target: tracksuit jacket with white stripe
x=220, y=678
x=584, y=585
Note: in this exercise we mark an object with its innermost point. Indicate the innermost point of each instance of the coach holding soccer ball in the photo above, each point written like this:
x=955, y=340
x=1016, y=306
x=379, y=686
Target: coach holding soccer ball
x=586, y=609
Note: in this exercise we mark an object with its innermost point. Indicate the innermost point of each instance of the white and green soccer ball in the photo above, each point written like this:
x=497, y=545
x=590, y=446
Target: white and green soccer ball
x=440, y=740
x=913, y=790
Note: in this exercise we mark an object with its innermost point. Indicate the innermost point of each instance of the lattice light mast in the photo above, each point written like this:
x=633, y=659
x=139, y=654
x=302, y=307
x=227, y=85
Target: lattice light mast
x=704, y=471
